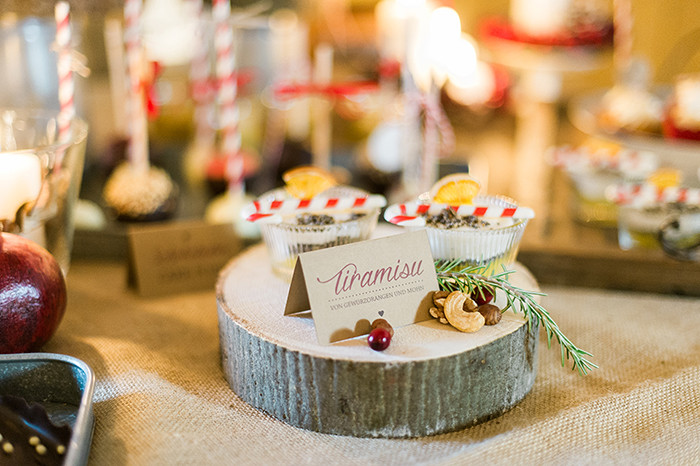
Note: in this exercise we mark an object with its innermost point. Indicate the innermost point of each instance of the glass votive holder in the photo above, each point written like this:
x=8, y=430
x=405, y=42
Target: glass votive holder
x=40, y=178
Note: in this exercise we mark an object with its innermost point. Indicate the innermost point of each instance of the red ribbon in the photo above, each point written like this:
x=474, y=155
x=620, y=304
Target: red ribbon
x=292, y=91
x=148, y=84
x=204, y=90
x=389, y=68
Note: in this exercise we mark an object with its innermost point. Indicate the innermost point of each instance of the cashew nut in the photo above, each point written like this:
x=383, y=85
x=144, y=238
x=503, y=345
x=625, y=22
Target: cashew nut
x=458, y=317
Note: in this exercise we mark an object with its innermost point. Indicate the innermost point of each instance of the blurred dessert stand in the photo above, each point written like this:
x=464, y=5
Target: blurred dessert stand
x=678, y=153
x=540, y=70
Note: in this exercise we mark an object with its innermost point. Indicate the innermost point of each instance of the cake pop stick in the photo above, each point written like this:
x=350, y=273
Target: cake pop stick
x=138, y=125
x=200, y=81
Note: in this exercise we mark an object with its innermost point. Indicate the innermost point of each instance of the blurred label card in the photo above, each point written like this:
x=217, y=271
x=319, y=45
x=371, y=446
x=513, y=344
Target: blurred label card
x=177, y=257
x=347, y=287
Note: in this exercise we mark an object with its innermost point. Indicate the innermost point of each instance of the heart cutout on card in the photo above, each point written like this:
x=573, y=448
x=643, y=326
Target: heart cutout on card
x=381, y=313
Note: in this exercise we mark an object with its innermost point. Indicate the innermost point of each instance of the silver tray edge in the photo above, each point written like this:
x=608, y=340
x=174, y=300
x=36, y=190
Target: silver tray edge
x=81, y=437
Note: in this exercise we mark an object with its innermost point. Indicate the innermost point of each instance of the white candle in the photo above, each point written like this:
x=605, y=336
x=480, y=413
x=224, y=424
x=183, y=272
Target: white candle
x=540, y=17
x=20, y=182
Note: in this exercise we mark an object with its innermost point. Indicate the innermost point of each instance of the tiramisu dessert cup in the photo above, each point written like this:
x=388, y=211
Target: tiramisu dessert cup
x=311, y=212
x=465, y=226
x=592, y=168
x=647, y=209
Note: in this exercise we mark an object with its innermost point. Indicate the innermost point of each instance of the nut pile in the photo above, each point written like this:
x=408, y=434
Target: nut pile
x=460, y=310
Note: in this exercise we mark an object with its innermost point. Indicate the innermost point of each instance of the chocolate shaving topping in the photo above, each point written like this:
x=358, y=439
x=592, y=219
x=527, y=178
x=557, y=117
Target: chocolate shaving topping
x=309, y=219
x=315, y=219
x=448, y=219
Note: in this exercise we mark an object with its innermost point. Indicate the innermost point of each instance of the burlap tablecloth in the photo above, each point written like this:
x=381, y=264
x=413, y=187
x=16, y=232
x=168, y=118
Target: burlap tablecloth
x=161, y=397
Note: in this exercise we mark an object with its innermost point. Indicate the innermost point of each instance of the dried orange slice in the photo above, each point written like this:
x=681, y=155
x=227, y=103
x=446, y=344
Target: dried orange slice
x=665, y=178
x=455, y=189
x=601, y=145
x=306, y=181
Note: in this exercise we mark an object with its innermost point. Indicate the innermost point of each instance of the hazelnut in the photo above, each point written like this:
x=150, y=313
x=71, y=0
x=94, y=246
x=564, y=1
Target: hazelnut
x=382, y=323
x=491, y=313
x=469, y=304
x=439, y=297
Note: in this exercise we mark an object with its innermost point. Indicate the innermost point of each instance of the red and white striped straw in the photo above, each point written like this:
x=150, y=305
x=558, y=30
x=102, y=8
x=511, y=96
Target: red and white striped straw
x=642, y=194
x=226, y=95
x=578, y=158
x=200, y=79
x=138, y=124
x=412, y=213
x=66, y=83
x=271, y=211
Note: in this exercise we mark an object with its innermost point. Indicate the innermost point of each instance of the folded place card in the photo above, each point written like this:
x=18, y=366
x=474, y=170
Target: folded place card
x=177, y=257
x=347, y=287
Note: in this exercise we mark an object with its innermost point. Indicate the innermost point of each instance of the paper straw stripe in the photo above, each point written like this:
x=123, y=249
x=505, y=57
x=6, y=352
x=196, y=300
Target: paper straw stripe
x=227, y=93
x=257, y=216
x=66, y=84
x=400, y=219
x=289, y=206
x=647, y=194
x=412, y=212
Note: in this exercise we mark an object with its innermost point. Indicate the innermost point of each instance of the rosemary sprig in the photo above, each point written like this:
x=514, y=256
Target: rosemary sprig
x=455, y=275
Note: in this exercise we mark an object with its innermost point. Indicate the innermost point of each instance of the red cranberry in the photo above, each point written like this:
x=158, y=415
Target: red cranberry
x=379, y=339
x=482, y=297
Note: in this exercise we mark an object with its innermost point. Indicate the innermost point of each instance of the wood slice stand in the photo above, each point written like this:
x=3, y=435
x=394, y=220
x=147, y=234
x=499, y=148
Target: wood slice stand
x=431, y=379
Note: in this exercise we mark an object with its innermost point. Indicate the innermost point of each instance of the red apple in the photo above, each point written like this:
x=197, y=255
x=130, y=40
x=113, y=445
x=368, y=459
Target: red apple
x=32, y=294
